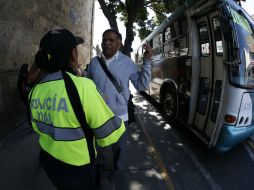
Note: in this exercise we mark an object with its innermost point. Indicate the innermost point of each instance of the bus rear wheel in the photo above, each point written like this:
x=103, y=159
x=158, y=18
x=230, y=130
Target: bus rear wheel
x=169, y=103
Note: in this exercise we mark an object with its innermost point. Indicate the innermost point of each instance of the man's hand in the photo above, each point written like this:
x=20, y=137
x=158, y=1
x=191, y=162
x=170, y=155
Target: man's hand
x=148, y=51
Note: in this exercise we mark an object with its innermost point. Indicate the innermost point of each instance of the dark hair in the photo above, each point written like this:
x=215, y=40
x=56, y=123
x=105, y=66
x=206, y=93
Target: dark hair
x=50, y=63
x=118, y=35
x=55, y=50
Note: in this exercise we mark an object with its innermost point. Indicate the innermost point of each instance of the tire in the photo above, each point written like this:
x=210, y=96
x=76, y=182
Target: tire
x=169, y=103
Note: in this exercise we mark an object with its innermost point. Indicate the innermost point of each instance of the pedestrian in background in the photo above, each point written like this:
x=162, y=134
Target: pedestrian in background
x=68, y=153
x=116, y=91
x=28, y=75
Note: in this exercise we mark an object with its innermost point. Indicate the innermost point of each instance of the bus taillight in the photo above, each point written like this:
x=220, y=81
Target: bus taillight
x=230, y=118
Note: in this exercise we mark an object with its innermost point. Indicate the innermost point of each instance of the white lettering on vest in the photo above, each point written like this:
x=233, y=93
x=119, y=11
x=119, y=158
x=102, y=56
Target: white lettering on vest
x=49, y=104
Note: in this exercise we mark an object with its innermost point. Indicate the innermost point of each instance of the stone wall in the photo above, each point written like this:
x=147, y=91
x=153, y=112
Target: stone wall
x=22, y=24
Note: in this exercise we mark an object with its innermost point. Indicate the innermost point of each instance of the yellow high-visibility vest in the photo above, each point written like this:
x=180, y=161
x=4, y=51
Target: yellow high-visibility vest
x=53, y=118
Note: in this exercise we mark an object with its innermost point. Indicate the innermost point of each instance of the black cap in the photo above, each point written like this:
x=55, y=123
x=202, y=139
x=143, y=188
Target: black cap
x=57, y=45
x=59, y=42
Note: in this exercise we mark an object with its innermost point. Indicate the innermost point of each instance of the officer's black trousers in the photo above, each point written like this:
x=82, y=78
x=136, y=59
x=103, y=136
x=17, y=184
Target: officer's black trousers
x=68, y=177
x=117, y=151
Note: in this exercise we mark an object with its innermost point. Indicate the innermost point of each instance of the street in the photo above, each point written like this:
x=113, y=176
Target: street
x=160, y=156
x=189, y=163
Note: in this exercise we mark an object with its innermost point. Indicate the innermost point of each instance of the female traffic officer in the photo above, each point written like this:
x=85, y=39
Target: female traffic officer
x=67, y=150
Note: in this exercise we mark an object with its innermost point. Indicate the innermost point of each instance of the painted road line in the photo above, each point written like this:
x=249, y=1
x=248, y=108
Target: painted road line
x=214, y=185
x=250, y=143
x=249, y=146
x=164, y=173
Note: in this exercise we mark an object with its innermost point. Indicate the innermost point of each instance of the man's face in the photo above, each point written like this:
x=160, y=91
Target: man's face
x=110, y=44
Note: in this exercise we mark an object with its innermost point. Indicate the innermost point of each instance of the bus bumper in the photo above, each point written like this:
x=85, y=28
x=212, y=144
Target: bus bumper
x=231, y=135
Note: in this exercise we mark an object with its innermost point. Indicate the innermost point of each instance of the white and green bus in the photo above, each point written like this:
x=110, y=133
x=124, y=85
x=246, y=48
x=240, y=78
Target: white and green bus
x=203, y=70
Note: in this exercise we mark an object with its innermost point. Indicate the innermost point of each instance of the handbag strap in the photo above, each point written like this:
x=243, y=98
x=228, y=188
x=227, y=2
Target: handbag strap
x=79, y=112
x=110, y=76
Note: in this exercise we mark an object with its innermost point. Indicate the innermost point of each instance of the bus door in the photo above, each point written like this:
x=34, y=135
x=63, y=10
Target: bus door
x=210, y=75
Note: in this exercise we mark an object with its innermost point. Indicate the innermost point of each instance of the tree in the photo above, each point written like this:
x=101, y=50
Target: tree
x=137, y=12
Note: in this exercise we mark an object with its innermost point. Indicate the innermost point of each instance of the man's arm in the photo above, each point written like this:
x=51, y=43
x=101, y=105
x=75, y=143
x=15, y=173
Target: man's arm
x=142, y=79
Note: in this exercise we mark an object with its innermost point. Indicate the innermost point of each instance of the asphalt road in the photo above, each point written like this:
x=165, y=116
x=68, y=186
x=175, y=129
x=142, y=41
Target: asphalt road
x=188, y=162
x=161, y=156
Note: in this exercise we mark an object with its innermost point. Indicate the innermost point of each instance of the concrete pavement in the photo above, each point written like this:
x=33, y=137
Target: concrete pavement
x=20, y=170
x=19, y=167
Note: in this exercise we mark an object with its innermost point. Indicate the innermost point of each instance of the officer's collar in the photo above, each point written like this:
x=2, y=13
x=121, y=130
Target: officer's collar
x=51, y=76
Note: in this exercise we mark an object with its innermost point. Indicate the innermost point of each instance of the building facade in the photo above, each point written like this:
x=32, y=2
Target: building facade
x=22, y=24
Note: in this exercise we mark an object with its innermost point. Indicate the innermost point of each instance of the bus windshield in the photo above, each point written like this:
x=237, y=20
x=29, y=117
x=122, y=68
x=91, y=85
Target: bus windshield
x=243, y=74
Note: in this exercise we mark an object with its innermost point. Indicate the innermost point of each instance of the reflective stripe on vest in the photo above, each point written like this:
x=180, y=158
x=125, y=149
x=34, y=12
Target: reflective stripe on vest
x=60, y=134
x=106, y=129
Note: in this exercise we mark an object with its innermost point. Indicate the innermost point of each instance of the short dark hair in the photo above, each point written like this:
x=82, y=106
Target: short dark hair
x=118, y=35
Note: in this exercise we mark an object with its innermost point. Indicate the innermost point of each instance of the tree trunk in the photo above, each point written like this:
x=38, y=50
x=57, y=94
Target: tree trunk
x=127, y=49
x=133, y=7
x=111, y=17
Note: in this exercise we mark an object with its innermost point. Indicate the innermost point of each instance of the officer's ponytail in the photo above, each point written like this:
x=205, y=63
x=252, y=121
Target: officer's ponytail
x=51, y=63
x=41, y=59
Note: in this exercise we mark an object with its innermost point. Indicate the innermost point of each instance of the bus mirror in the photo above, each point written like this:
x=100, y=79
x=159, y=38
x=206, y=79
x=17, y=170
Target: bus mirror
x=226, y=28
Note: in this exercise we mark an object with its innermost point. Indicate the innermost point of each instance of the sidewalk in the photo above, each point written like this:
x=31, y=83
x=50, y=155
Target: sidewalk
x=20, y=169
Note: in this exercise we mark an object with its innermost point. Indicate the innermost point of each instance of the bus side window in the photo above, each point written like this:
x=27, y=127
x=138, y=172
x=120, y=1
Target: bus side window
x=176, y=38
x=167, y=34
x=204, y=39
x=171, y=47
x=218, y=36
x=168, y=46
x=176, y=51
x=157, y=41
x=183, y=36
x=157, y=47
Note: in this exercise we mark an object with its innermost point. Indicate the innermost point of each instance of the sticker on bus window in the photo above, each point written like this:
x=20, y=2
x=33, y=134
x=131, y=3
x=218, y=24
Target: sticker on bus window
x=239, y=19
x=205, y=49
x=219, y=47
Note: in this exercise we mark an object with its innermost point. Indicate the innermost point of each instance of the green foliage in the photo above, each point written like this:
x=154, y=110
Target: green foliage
x=160, y=10
x=141, y=16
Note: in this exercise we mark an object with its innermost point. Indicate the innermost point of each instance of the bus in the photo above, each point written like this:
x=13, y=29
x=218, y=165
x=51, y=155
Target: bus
x=203, y=70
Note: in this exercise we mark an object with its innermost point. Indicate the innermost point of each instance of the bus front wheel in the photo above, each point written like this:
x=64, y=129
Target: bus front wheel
x=169, y=103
